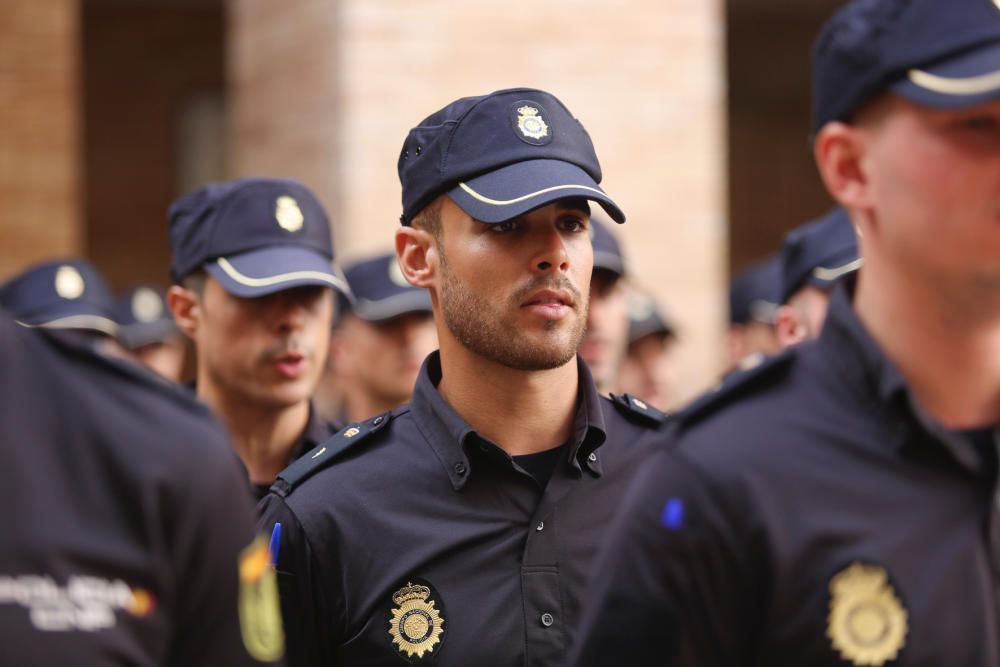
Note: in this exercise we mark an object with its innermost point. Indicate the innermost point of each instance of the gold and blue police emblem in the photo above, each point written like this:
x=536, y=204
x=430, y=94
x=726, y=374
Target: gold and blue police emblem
x=288, y=214
x=528, y=120
x=416, y=624
x=867, y=623
x=146, y=305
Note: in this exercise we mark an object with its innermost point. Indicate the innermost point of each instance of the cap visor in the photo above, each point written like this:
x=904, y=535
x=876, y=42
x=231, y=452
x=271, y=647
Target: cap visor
x=269, y=270
x=404, y=303
x=83, y=320
x=965, y=80
x=141, y=334
x=524, y=186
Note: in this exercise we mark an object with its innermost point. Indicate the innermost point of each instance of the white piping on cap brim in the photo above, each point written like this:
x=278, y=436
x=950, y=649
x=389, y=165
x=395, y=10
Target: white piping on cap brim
x=333, y=280
x=516, y=200
x=95, y=322
x=828, y=275
x=973, y=85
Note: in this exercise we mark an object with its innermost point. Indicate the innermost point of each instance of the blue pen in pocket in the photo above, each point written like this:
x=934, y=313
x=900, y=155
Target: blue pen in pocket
x=275, y=544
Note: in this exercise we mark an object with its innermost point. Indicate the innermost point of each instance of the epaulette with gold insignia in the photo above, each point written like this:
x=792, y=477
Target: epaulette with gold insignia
x=735, y=384
x=639, y=410
x=323, y=455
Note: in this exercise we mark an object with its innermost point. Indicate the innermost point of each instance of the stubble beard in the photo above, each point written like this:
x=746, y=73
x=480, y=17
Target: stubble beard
x=482, y=327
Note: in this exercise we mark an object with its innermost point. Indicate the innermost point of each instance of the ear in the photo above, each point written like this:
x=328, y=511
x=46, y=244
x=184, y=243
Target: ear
x=789, y=327
x=417, y=253
x=186, y=309
x=840, y=152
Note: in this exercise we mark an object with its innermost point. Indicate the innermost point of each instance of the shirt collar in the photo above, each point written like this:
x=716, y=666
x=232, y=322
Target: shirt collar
x=316, y=432
x=885, y=390
x=449, y=435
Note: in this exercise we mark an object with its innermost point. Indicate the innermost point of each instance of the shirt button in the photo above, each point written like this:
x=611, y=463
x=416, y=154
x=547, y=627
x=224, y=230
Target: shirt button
x=540, y=527
x=593, y=457
x=547, y=619
x=460, y=468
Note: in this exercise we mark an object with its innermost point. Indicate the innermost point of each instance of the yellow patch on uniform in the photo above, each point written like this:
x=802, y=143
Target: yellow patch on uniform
x=260, y=612
x=867, y=624
x=416, y=625
x=143, y=603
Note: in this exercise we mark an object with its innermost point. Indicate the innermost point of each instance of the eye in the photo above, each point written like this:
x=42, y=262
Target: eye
x=573, y=224
x=980, y=123
x=504, y=227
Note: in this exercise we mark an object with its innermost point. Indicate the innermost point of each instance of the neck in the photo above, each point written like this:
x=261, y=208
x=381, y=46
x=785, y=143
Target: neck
x=523, y=412
x=262, y=437
x=945, y=340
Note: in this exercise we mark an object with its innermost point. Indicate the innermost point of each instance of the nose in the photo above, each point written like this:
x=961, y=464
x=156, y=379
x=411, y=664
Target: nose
x=551, y=255
x=289, y=311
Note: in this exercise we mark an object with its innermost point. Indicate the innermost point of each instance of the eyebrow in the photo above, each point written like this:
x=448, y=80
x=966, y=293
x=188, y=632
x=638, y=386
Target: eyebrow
x=574, y=204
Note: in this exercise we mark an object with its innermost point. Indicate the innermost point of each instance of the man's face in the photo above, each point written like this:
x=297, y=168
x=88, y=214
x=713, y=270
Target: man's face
x=935, y=191
x=606, y=341
x=268, y=351
x=384, y=358
x=648, y=373
x=516, y=292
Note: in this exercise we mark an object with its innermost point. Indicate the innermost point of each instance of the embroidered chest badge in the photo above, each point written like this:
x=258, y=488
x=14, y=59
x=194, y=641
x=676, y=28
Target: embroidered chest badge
x=416, y=624
x=867, y=624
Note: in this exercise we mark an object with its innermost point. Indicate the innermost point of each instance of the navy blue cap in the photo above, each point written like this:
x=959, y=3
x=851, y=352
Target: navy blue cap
x=499, y=156
x=607, y=251
x=645, y=318
x=753, y=294
x=818, y=253
x=61, y=294
x=937, y=53
x=144, y=317
x=381, y=292
x=256, y=236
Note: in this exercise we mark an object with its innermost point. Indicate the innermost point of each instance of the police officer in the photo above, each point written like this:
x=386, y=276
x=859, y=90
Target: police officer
x=127, y=536
x=460, y=529
x=753, y=304
x=649, y=371
x=148, y=331
x=380, y=341
x=253, y=266
x=67, y=293
x=813, y=258
x=838, y=507
x=605, y=342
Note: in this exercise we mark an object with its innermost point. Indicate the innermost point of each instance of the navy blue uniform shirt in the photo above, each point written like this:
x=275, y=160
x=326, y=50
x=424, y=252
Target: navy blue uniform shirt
x=125, y=519
x=425, y=543
x=817, y=516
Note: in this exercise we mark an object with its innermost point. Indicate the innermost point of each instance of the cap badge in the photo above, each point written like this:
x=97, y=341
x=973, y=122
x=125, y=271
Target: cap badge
x=288, y=214
x=396, y=273
x=867, y=624
x=531, y=124
x=146, y=305
x=69, y=283
x=416, y=625
x=351, y=432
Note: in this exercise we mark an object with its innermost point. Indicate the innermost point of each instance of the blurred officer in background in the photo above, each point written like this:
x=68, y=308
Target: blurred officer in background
x=838, y=507
x=253, y=263
x=128, y=538
x=605, y=342
x=753, y=304
x=67, y=294
x=460, y=529
x=813, y=258
x=148, y=331
x=381, y=340
x=648, y=372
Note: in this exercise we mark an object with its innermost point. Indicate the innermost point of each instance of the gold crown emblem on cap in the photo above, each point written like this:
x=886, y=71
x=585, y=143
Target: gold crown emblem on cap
x=530, y=123
x=867, y=624
x=288, y=214
x=69, y=283
x=146, y=305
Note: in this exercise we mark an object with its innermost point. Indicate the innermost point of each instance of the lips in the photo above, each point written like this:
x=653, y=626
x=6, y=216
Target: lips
x=550, y=297
x=290, y=365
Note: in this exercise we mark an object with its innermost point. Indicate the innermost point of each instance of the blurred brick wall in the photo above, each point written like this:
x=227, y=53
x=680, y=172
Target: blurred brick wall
x=144, y=63
x=327, y=91
x=39, y=132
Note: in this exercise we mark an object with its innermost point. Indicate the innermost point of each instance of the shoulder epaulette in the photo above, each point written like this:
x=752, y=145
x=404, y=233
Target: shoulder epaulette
x=735, y=384
x=638, y=410
x=322, y=455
